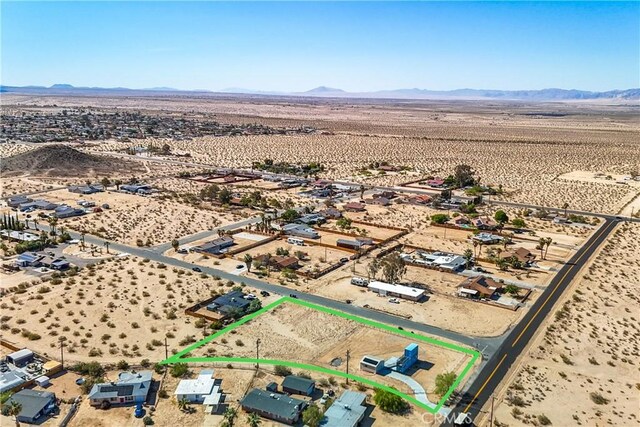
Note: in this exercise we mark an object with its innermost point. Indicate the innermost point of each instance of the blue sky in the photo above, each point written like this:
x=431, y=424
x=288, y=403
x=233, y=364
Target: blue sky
x=295, y=46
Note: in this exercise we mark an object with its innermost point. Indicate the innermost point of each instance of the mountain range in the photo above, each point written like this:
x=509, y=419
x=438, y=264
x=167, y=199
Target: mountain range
x=552, y=94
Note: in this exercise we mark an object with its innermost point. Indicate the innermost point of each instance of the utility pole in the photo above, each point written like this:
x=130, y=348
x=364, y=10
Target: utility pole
x=62, y=352
x=258, y=354
x=491, y=417
x=348, y=356
x=166, y=348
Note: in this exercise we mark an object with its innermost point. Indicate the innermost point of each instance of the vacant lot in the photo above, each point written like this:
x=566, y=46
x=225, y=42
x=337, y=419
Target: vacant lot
x=295, y=333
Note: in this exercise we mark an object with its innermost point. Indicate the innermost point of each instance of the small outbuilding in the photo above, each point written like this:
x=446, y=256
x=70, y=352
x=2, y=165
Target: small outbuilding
x=294, y=384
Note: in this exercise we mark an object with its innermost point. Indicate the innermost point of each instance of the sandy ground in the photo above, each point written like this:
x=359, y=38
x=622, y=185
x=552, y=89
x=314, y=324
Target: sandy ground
x=121, y=309
x=131, y=217
x=321, y=337
x=588, y=350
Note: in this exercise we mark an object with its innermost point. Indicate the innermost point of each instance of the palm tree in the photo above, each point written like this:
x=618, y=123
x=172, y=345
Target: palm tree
x=230, y=416
x=183, y=404
x=541, y=244
x=468, y=254
x=565, y=206
x=52, y=223
x=361, y=192
x=106, y=245
x=475, y=246
x=254, y=420
x=13, y=410
x=82, y=240
x=35, y=223
x=248, y=259
x=548, y=242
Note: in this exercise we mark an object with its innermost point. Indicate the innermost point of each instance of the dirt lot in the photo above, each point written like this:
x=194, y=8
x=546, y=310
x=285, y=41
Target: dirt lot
x=321, y=337
x=582, y=370
x=122, y=308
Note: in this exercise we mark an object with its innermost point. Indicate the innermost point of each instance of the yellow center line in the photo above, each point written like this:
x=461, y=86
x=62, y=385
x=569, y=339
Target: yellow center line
x=485, y=383
x=558, y=284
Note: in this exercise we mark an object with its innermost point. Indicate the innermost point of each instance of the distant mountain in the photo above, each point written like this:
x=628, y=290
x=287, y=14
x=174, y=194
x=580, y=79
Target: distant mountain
x=324, y=90
x=552, y=94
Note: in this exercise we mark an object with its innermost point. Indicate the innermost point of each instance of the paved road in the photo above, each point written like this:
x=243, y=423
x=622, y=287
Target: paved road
x=496, y=368
x=489, y=344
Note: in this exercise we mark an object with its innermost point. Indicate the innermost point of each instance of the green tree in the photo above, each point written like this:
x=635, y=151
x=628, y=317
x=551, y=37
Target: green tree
x=393, y=267
x=344, y=223
x=175, y=243
x=464, y=175
x=106, y=182
x=501, y=216
x=519, y=223
x=390, y=402
x=444, y=382
x=312, y=416
x=439, y=218
x=224, y=196
x=290, y=215
x=183, y=404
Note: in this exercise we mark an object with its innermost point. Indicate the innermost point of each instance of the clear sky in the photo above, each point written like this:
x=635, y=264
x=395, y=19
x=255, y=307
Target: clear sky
x=295, y=46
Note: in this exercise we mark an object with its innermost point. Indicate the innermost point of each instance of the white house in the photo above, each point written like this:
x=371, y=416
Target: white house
x=203, y=390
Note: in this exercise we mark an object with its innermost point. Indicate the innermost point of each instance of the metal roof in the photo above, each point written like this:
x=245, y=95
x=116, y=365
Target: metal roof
x=296, y=383
x=347, y=411
x=32, y=402
x=276, y=404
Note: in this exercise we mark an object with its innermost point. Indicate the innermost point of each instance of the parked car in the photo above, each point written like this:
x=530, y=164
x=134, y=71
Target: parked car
x=394, y=300
x=348, y=301
x=240, y=266
x=344, y=260
x=293, y=295
x=264, y=293
x=198, y=269
x=250, y=297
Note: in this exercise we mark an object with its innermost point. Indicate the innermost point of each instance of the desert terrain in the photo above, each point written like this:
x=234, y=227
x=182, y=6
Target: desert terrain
x=582, y=369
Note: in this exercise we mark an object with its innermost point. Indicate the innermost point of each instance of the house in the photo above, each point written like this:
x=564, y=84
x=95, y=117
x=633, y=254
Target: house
x=15, y=201
x=372, y=364
x=487, y=238
x=229, y=303
x=419, y=199
x=280, y=263
x=354, y=207
x=19, y=236
x=355, y=245
x=20, y=358
x=521, y=254
x=294, y=384
x=131, y=387
x=35, y=405
x=436, y=183
x=400, y=291
x=12, y=380
x=478, y=287
x=65, y=211
x=274, y=406
x=311, y=219
x=29, y=259
x=136, y=188
x=55, y=264
x=300, y=230
x=461, y=220
x=85, y=189
x=38, y=204
x=332, y=213
x=484, y=223
x=381, y=201
x=441, y=260
x=202, y=390
x=348, y=410
x=215, y=247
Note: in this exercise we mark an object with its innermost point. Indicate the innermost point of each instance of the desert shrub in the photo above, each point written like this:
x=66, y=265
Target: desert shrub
x=598, y=399
x=282, y=371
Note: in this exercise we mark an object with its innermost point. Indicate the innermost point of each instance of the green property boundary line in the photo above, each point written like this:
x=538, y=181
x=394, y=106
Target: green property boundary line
x=178, y=357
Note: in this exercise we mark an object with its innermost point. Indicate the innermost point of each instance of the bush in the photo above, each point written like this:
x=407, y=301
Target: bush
x=544, y=420
x=148, y=421
x=282, y=371
x=598, y=399
x=123, y=365
x=390, y=402
x=179, y=370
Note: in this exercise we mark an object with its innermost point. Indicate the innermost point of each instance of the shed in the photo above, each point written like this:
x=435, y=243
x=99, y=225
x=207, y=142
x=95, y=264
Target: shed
x=21, y=357
x=43, y=381
x=298, y=385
